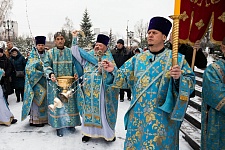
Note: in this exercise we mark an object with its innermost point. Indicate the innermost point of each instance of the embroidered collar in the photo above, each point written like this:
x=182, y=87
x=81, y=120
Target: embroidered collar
x=155, y=53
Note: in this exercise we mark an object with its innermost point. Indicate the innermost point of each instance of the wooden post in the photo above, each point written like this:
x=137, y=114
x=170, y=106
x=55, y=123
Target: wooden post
x=193, y=58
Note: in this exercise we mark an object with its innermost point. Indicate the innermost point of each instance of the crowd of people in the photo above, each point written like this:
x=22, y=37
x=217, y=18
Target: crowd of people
x=158, y=91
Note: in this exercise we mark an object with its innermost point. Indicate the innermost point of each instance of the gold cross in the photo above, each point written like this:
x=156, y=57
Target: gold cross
x=99, y=54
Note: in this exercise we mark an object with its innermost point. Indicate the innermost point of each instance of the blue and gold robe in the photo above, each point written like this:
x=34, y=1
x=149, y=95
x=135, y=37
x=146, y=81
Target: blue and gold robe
x=60, y=62
x=35, y=90
x=213, y=108
x=98, y=100
x=149, y=126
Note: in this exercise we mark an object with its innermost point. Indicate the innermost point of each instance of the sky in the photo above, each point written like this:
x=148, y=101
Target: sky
x=48, y=16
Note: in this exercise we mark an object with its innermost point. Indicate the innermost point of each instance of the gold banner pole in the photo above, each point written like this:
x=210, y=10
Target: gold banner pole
x=175, y=36
x=175, y=31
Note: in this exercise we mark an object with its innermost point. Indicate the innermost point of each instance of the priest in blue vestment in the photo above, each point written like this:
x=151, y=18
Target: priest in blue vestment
x=213, y=108
x=160, y=92
x=35, y=92
x=98, y=100
x=58, y=62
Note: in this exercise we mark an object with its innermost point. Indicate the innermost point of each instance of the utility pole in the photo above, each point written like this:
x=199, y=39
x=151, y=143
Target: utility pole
x=127, y=33
x=110, y=39
x=141, y=40
x=131, y=36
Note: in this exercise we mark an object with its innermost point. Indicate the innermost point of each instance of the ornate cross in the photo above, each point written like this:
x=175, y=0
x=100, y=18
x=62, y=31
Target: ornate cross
x=99, y=54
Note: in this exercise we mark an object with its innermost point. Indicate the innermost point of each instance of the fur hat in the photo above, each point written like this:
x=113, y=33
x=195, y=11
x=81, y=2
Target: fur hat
x=161, y=24
x=40, y=40
x=103, y=39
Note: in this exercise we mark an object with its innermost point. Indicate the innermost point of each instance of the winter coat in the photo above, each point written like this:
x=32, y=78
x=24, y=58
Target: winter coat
x=200, y=59
x=19, y=64
x=187, y=51
x=121, y=56
x=6, y=81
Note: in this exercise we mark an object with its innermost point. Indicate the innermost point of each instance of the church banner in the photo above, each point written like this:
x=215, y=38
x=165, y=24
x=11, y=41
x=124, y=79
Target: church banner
x=196, y=19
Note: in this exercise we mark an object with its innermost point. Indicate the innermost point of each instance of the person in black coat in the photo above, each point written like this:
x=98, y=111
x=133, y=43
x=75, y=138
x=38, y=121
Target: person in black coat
x=187, y=51
x=121, y=55
x=5, y=82
x=18, y=61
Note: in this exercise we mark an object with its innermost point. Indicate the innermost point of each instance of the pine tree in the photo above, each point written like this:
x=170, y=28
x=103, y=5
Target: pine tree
x=86, y=25
x=112, y=41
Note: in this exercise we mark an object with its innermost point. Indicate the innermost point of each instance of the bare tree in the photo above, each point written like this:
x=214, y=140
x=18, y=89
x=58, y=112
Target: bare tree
x=68, y=26
x=140, y=29
x=6, y=6
x=50, y=35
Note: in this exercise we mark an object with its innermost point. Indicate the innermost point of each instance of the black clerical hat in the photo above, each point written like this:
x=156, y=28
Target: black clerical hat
x=161, y=24
x=40, y=40
x=103, y=39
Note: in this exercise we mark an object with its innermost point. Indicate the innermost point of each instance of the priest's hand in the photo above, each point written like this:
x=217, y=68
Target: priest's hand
x=75, y=33
x=75, y=77
x=197, y=45
x=53, y=78
x=107, y=66
x=175, y=72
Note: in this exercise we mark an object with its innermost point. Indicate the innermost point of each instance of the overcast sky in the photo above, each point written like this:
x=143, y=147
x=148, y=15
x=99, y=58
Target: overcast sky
x=49, y=15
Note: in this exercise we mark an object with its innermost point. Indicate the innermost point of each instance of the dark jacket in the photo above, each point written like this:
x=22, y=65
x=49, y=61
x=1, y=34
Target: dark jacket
x=200, y=59
x=121, y=56
x=187, y=51
x=19, y=64
x=6, y=80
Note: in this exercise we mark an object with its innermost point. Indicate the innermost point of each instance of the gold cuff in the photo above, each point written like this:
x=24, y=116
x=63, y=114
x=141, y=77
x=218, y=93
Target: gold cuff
x=221, y=104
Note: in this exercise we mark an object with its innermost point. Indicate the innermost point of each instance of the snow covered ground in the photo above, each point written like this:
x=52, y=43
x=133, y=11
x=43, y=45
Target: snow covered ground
x=21, y=136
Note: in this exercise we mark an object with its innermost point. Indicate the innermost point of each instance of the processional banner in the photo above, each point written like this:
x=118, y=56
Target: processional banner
x=196, y=18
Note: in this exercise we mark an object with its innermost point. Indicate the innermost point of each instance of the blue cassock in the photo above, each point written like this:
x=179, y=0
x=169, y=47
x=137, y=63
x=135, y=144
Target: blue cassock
x=213, y=109
x=60, y=62
x=148, y=124
x=97, y=99
x=35, y=87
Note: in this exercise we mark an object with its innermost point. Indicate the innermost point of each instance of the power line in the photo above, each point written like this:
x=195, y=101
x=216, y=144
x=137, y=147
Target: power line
x=28, y=22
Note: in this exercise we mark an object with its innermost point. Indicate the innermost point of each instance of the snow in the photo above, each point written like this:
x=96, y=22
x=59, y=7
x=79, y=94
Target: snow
x=197, y=100
x=192, y=131
x=21, y=136
x=194, y=113
x=198, y=88
x=198, y=78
